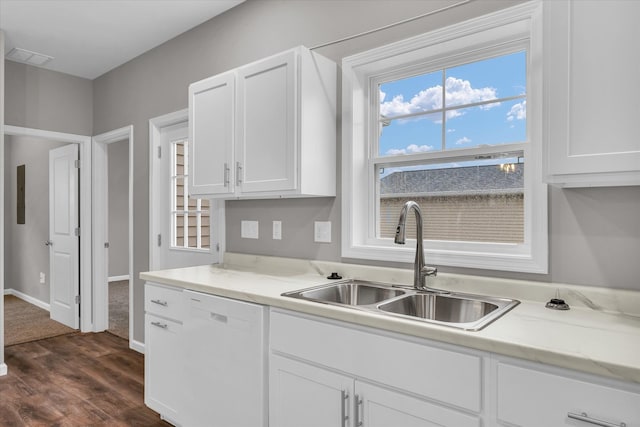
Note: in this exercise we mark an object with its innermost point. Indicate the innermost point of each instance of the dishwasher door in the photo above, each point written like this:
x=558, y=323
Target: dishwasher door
x=225, y=364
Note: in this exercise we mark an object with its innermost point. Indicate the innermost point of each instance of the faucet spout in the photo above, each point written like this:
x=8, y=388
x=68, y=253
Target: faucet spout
x=420, y=271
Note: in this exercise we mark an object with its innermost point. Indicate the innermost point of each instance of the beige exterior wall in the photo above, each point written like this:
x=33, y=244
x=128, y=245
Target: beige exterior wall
x=476, y=218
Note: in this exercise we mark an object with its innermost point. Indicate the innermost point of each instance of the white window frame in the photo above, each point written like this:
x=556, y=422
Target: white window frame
x=459, y=43
x=175, y=212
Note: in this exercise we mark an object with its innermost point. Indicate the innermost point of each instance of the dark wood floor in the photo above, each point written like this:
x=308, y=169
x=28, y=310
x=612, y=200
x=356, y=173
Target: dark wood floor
x=75, y=380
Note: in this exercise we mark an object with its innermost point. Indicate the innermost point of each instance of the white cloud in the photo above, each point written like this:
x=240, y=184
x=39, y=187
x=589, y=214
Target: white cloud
x=450, y=130
x=411, y=149
x=518, y=111
x=463, y=140
x=458, y=92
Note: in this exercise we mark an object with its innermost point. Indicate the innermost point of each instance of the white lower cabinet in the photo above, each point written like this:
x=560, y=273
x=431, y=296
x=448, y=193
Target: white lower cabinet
x=533, y=396
x=332, y=374
x=163, y=346
x=305, y=395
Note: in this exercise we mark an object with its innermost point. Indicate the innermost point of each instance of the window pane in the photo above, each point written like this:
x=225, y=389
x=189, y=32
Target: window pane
x=500, y=77
x=411, y=135
x=411, y=95
x=179, y=194
x=489, y=124
x=481, y=201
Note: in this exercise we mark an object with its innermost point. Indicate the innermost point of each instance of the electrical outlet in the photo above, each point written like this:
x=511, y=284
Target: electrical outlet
x=322, y=232
x=277, y=230
x=42, y=277
x=249, y=229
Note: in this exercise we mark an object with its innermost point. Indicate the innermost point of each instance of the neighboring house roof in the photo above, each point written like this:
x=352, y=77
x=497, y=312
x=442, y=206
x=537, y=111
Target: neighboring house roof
x=453, y=181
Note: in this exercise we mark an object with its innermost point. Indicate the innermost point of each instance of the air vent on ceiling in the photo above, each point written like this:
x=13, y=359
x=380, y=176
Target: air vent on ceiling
x=28, y=57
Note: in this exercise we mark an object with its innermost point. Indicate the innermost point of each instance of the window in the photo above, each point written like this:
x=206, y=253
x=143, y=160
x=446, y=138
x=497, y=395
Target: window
x=189, y=217
x=449, y=119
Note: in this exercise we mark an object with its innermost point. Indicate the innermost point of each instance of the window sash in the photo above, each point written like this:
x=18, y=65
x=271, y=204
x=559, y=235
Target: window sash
x=490, y=35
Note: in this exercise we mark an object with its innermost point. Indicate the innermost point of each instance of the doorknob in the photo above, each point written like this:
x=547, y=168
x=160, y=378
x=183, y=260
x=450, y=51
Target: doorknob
x=48, y=243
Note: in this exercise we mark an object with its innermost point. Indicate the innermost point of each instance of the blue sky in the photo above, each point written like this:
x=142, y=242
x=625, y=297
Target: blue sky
x=493, y=123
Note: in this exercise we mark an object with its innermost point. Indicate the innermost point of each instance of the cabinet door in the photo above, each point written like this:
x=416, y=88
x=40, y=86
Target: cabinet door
x=303, y=395
x=162, y=374
x=591, y=104
x=266, y=153
x=380, y=407
x=556, y=397
x=224, y=362
x=211, y=135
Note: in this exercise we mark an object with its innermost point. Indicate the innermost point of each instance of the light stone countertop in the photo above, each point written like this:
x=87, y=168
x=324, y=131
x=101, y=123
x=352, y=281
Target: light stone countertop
x=599, y=335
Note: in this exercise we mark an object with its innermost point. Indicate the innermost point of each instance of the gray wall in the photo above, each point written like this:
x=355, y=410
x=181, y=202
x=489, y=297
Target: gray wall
x=42, y=99
x=593, y=232
x=26, y=254
x=118, y=155
x=1, y=199
x=156, y=83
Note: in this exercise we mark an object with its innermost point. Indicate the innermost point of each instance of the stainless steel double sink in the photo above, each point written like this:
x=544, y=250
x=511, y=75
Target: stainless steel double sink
x=464, y=311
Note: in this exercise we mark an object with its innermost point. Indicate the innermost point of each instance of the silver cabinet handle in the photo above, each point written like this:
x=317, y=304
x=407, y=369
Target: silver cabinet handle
x=159, y=302
x=226, y=174
x=160, y=325
x=238, y=173
x=344, y=395
x=358, y=416
x=587, y=419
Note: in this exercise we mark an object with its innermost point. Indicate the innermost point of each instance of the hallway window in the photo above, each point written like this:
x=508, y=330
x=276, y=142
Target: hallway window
x=189, y=216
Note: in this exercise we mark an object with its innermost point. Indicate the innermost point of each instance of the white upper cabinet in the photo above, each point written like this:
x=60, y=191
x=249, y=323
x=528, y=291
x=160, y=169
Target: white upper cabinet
x=277, y=134
x=591, y=65
x=211, y=135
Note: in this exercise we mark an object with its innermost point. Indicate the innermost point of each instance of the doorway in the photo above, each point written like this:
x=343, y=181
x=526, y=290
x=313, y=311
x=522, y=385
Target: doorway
x=184, y=231
x=34, y=244
x=113, y=157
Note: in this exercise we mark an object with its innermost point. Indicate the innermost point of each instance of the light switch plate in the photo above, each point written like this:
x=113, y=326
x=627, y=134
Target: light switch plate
x=249, y=229
x=277, y=230
x=322, y=231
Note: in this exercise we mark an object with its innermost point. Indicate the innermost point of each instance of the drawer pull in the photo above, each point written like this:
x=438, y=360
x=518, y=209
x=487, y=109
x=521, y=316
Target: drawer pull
x=159, y=325
x=587, y=419
x=159, y=302
x=344, y=397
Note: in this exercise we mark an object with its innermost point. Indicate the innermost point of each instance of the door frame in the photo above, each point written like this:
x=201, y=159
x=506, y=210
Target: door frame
x=100, y=230
x=86, y=224
x=156, y=125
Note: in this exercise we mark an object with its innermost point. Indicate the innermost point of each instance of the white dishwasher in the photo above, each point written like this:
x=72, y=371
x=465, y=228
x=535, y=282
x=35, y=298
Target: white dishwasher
x=225, y=365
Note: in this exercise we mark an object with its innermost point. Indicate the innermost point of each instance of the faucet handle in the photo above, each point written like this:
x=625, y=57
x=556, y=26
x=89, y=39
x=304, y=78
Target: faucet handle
x=429, y=271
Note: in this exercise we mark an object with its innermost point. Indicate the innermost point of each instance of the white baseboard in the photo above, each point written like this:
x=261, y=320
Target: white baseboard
x=3, y=369
x=31, y=300
x=136, y=345
x=118, y=278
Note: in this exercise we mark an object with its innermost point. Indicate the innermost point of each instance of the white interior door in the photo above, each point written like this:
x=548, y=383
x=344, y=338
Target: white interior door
x=184, y=231
x=64, y=254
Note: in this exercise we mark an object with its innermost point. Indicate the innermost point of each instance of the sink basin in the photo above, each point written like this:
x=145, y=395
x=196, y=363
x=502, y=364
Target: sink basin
x=474, y=313
x=458, y=310
x=352, y=292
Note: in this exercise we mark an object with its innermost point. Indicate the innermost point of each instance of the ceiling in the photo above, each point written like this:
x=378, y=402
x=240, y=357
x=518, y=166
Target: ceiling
x=87, y=38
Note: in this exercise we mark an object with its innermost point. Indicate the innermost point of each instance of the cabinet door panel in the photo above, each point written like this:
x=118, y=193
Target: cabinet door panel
x=556, y=396
x=591, y=110
x=383, y=408
x=266, y=150
x=303, y=395
x=163, y=377
x=211, y=127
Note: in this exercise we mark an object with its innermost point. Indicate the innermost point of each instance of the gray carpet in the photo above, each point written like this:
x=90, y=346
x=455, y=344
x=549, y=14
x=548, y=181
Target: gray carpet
x=119, y=308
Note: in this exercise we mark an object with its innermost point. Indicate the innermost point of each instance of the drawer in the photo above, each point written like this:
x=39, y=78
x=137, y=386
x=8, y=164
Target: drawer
x=428, y=370
x=531, y=397
x=163, y=301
